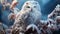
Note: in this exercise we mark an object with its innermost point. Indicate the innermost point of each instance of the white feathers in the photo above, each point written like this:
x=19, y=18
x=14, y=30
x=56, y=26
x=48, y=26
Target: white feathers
x=33, y=27
x=58, y=17
x=30, y=12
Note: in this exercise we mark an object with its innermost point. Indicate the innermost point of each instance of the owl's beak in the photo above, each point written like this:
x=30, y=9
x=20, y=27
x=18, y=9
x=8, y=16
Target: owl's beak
x=31, y=9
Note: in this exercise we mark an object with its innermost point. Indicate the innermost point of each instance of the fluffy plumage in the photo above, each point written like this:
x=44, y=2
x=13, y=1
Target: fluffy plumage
x=30, y=13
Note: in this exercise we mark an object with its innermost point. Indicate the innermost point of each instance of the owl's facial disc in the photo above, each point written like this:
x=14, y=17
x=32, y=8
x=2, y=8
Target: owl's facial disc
x=31, y=6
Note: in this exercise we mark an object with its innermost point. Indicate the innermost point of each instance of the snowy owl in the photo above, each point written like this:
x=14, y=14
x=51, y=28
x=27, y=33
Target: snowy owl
x=30, y=13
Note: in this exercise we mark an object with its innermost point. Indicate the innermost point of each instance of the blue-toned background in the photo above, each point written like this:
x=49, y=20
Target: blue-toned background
x=47, y=6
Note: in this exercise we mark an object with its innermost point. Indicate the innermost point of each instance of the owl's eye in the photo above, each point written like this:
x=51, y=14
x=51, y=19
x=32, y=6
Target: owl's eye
x=28, y=7
x=26, y=3
x=34, y=6
x=35, y=3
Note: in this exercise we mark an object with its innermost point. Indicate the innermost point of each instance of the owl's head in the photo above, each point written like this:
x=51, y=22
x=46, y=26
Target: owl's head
x=31, y=6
